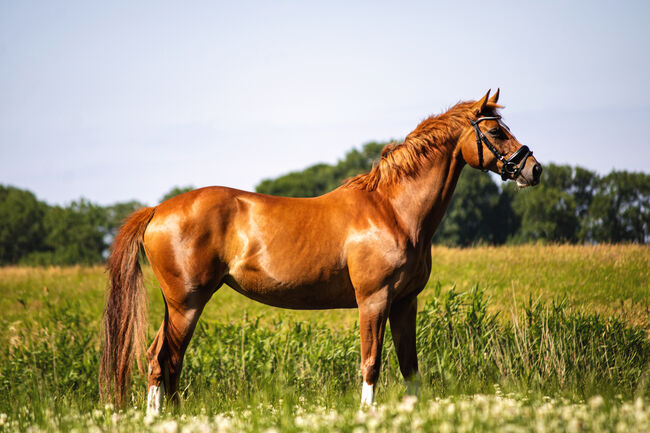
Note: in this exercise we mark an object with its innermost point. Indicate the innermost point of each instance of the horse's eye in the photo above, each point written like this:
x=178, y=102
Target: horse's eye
x=497, y=133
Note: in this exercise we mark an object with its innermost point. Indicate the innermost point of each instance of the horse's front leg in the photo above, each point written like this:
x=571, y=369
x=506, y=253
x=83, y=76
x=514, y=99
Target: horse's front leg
x=402, y=326
x=373, y=313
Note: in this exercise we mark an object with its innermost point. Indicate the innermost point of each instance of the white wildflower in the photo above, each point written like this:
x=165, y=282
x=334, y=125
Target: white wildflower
x=148, y=419
x=300, y=421
x=196, y=426
x=373, y=423
x=399, y=421
x=574, y=425
x=596, y=401
x=445, y=427
x=407, y=404
x=223, y=423
x=434, y=408
x=638, y=404
x=416, y=423
x=3, y=418
x=170, y=426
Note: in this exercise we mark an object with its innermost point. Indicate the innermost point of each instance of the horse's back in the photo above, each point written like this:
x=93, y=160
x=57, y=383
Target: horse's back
x=282, y=251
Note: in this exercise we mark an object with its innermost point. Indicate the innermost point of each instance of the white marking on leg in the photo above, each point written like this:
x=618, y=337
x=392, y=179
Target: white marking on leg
x=155, y=399
x=367, y=394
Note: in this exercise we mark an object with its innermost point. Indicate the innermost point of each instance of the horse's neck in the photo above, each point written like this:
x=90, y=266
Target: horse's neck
x=421, y=201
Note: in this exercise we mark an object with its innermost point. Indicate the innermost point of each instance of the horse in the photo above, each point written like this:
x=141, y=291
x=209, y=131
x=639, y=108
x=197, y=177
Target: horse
x=365, y=245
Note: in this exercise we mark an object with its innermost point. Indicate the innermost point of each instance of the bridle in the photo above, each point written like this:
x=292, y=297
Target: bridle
x=509, y=168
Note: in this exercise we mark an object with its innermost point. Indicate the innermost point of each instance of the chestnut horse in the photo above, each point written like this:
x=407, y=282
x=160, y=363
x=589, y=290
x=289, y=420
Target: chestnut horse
x=365, y=245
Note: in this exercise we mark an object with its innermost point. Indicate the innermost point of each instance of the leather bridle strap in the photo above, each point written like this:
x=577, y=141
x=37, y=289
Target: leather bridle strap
x=511, y=167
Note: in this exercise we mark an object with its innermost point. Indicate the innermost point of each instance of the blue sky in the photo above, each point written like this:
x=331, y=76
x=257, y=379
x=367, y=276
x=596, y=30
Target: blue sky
x=115, y=101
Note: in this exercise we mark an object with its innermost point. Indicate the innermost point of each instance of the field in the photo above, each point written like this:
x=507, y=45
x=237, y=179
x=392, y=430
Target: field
x=530, y=338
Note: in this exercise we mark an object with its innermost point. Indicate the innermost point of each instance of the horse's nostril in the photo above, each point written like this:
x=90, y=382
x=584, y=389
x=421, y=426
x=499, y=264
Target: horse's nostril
x=537, y=171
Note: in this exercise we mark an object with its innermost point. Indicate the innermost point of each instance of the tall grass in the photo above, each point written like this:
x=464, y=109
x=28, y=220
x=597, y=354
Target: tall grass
x=562, y=321
x=463, y=348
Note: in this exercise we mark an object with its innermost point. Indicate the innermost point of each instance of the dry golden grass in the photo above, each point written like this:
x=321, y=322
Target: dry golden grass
x=609, y=279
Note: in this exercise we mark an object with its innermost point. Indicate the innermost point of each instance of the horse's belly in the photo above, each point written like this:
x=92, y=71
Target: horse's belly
x=296, y=293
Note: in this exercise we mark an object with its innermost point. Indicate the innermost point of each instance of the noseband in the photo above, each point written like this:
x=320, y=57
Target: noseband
x=509, y=169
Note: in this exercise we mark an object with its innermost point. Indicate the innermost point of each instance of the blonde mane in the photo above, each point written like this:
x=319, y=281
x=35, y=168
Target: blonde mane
x=428, y=139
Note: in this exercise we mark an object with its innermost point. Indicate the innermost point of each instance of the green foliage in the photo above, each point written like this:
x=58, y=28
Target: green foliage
x=571, y=205
x=116, y=214
x=478, y=213
x=620, y=210
x=177, y=190
x=322, y=178
x=34, y=233
x=74, y=233
x=463, y=348
x=554, y=210
x=274, y=367
x=21, y=223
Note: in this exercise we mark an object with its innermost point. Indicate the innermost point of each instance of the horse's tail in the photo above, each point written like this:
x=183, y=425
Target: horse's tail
x=125, y=314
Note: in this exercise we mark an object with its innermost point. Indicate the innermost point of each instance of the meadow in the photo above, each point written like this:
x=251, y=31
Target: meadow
x=520, y=338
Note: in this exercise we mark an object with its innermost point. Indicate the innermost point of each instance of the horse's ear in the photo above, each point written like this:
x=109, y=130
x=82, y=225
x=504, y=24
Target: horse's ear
x=495, y=98
x=480, y=105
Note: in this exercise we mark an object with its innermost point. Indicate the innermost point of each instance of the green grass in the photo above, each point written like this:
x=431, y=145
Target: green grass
x=555, y=324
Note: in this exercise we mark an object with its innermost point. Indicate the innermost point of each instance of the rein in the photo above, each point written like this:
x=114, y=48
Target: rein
x=509, y=168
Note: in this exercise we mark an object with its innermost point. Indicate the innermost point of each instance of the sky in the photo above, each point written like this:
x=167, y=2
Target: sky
x=114, y=101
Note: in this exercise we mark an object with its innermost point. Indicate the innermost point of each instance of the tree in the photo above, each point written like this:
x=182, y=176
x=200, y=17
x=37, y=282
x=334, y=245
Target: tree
x=115, y=215
x=310, y=182
x=322, y=178
x=583, y=187
x=73, y=235
x=548, y=211
x=477, y=213
x=620, y=210
x=177, y=190
x=21, y=223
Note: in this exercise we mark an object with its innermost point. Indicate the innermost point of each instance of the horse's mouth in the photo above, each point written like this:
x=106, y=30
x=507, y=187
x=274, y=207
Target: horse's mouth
x=523, y=182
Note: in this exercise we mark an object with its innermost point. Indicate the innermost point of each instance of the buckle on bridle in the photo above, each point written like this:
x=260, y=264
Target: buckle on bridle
x=511, y=167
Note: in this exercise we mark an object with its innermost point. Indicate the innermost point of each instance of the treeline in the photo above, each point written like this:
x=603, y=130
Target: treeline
x=35, y=233
x=572, y=204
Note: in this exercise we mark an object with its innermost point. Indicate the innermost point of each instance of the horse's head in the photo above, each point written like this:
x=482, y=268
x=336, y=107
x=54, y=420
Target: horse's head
x=488, y=144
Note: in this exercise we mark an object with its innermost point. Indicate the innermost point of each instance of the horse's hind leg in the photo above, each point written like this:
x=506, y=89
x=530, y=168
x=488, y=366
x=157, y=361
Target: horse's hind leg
x=183, y=308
